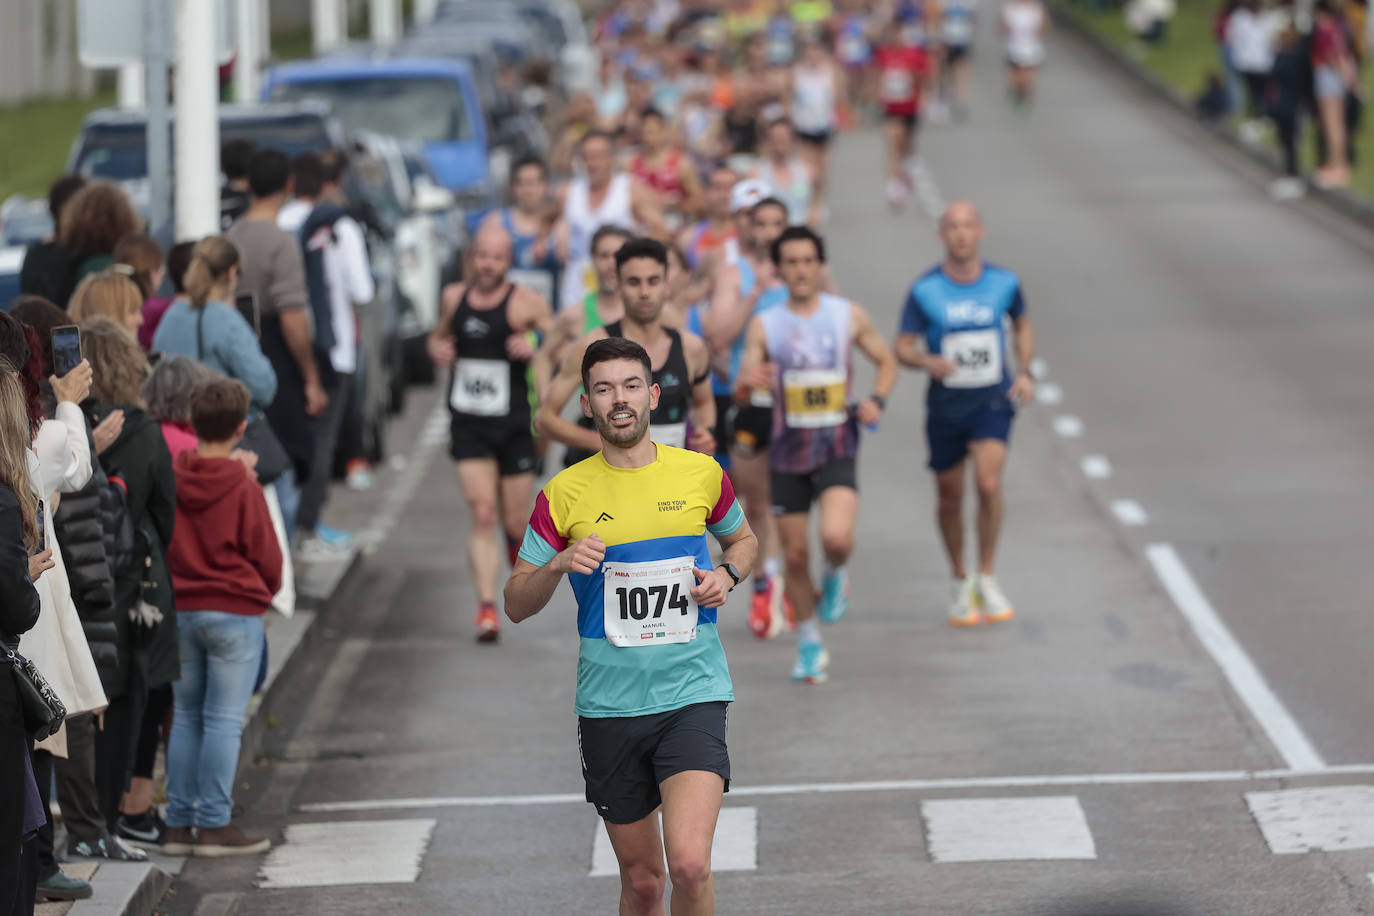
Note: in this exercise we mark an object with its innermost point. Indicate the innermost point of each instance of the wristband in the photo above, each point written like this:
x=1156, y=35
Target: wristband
x=879, y=400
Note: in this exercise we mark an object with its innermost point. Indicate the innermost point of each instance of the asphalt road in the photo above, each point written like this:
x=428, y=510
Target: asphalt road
x=1210, y=346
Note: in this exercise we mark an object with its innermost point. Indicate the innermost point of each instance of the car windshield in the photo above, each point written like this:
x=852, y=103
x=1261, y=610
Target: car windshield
x=119, y=152
x=416, y=108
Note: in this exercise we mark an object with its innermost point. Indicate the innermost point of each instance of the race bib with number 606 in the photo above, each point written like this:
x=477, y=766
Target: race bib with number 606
x=977, y=357
x=650, y=603
x=481, y=388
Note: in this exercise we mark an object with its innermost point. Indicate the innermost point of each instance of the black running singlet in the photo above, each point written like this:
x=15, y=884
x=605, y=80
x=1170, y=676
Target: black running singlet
x=487, y=386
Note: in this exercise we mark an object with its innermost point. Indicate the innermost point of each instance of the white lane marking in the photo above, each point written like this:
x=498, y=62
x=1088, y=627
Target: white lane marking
x=408, y=479
x=1068, y=426
x=735, y=847
x=1129, y=512
x=1179, y=777
x=1049, y=394
x=1283, y=730
x=359, y=852
x=1096, y=467
x=1329, y=818
x=1007, y=829
x=927, y=190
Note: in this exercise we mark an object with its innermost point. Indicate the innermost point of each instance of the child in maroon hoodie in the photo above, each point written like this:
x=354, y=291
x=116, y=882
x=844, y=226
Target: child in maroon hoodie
x=226, y=566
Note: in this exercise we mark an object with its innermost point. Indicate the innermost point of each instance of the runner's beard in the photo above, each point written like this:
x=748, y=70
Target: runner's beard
x=626, y=437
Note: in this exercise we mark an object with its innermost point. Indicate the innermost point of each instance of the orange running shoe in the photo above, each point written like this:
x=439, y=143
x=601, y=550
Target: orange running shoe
x=488, y=624
x=765, y=617
x=963, y=608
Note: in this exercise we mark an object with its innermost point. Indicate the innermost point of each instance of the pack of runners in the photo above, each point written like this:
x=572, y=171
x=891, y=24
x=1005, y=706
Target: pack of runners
x=666, y=314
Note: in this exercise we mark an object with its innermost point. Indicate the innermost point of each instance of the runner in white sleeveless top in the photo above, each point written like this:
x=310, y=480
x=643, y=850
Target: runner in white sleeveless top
x=601, y=196
x=1024, y=26
x=817, y=86
x=790, y=177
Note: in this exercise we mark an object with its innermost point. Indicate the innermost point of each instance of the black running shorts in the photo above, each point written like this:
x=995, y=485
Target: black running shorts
x=796, y=492
x=752, y=428
x=511, y=446
x=624, y=759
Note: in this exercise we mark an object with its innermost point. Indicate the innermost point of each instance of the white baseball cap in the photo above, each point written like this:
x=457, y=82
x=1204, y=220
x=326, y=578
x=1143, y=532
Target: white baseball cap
x=748, y=192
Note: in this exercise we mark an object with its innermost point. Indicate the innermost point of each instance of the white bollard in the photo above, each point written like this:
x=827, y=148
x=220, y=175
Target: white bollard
x=197, y=121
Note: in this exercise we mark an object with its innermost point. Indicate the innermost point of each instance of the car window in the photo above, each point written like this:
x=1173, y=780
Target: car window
x=119, y=152
x=415, y=108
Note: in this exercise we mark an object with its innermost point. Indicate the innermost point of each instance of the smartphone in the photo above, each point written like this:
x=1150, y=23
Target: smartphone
x=66, y=349
x=247, y=304
x=42, y=529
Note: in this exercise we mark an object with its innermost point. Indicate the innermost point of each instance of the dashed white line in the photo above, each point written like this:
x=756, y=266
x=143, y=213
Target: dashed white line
x=407, y=481
x=1049, y=394
x=1096, y=467
x=1068, y=426
x=927, y=191
x=1283, y=730
x=1129, y=512
x=1007, y=829
x=1326, y=818
x=364, y=852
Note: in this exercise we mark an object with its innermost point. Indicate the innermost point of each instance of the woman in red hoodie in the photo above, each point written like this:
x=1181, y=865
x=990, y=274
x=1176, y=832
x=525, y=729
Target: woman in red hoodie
x=226, y=566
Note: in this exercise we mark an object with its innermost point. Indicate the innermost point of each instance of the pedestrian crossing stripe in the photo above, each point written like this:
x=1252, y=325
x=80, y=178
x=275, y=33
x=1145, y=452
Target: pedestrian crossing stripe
x=1325, y=818
x=1007, y=829
x=734, y=847
x=348, y=852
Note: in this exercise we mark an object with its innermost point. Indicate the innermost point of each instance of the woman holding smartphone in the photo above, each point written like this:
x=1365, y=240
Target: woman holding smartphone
x=21, y=562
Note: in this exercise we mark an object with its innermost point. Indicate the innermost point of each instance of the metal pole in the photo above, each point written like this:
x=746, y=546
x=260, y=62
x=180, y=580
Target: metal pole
x=248, y=64
x=386, y=21
x=130, y=85
x=197, y=121
x=159, y=137
x=326, y=24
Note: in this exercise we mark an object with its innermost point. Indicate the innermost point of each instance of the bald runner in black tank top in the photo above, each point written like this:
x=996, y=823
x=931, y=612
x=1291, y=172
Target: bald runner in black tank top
x=489, y=396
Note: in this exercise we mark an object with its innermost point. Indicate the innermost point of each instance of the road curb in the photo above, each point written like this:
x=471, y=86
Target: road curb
x=1351, y=206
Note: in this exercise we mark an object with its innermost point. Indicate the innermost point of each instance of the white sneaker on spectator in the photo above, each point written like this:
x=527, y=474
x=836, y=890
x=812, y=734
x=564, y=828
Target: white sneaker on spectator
x=1287, y=188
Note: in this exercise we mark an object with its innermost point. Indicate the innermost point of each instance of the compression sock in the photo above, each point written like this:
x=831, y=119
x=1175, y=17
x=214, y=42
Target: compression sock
x=809, y=631
x=771, y=567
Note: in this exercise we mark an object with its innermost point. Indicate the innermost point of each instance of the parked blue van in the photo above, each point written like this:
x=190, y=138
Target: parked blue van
x=427, y=101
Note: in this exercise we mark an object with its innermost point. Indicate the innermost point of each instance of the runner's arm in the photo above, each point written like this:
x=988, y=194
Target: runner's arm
x=728, y=312
x=1023, y=333
x=703, y=410
x=693, y=197
x=868, y=340
x=549, y=421
x=530, y=587
x=561, y=332
x=754, y=370
x=441, y=344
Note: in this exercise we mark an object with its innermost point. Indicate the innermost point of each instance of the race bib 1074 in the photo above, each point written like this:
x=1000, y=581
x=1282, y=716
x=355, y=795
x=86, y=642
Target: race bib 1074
x=649, y=603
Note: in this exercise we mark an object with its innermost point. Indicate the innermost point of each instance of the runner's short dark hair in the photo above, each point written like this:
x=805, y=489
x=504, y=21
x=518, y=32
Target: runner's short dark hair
x=308, y=172
x=641, y=247
x=606, y=231
x=217, y=409
x=234, y=157
x=597, y=134
x=652, y=112
x=525, y=162
x=268, y=172
x=611, y=348
x=798, y=233
x=769, y=201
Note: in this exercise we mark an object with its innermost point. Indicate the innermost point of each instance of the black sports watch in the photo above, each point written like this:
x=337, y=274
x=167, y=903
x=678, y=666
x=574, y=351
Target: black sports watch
x=732, y=573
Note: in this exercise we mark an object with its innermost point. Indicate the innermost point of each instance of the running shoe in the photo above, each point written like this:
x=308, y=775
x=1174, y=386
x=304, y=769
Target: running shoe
x=834, y=602
x=963, y=608
x=996, y=606
x=360, y=475
x=761, y=622
x=334, y=537
x=812, y=662
x=488, y=624
x=144, y=829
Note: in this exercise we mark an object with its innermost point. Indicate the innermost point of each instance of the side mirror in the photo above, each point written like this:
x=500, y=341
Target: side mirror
x=430, y=198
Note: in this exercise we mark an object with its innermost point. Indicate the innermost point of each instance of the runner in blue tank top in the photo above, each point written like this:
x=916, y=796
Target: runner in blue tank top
x=953, y=327
x=802, y=350
x=534, y=263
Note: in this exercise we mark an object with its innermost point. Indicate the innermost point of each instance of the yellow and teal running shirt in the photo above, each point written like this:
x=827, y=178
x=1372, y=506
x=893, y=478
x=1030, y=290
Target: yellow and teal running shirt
x=645, y=646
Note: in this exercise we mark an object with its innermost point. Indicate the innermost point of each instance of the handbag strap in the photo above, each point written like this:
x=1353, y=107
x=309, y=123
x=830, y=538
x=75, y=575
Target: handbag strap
x=200, y=332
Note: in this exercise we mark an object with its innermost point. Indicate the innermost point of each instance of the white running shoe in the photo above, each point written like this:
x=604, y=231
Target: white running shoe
x=1287, y=188
x=996, y=606
x=963, y=608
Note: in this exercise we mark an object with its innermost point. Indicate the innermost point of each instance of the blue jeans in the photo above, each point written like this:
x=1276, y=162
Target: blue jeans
x=219, y=662
x=289, y=498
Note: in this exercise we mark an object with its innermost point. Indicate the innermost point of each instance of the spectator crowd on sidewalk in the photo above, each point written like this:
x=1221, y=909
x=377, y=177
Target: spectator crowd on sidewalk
x=153, y=496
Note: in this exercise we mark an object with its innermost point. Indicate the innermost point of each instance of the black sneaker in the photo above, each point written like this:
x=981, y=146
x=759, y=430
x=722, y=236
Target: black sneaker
x=144, y=829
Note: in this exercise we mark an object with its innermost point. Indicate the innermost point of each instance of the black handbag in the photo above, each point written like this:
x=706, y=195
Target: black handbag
x=258, y=438
x=43, y=711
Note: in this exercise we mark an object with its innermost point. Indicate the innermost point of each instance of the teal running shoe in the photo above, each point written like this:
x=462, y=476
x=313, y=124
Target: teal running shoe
x=812, y=662
x=834, y=602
